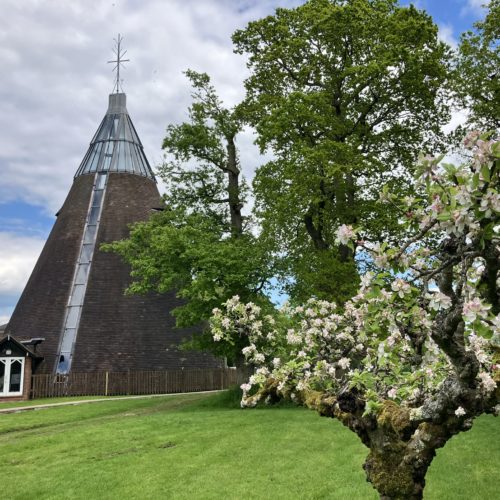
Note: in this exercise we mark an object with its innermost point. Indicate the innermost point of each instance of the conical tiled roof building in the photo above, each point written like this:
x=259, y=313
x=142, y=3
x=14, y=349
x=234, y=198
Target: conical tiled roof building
x=75, y=295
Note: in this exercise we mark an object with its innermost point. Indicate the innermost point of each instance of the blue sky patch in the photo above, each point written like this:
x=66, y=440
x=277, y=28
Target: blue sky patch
x=22, y=218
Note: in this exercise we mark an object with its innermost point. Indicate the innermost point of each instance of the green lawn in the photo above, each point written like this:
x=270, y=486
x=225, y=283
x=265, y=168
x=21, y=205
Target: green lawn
x=201, y=446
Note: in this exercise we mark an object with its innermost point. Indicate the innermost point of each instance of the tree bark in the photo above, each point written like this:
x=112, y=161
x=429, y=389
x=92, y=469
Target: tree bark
x=233, y=189
x=488, y=287
x=315, y=231
x=401, y=451
x=393, y=478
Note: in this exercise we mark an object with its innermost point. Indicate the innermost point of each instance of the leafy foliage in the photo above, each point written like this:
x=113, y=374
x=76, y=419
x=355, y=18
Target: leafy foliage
x=212, y=185
x=345, y=94
x=193, y=255
x=477, y=75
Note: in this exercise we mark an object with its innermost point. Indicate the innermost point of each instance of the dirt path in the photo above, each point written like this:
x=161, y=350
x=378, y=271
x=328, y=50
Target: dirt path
x=44, y=406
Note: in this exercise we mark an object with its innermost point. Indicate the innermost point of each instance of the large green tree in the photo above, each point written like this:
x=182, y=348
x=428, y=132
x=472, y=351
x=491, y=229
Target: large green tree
x=345, y=93
x=477, y=72
x=201, y=245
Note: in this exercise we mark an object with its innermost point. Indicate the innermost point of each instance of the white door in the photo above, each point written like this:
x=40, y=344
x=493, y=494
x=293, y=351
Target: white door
x=11, y=376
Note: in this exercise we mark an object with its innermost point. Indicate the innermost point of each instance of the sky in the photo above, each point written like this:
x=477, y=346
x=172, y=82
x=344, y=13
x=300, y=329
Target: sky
x=55, y=84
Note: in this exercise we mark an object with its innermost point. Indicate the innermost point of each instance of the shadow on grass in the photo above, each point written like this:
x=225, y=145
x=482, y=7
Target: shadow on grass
x=231, y=400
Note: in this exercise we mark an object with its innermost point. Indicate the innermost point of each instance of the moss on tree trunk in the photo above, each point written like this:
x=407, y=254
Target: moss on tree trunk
x=392, y=476
x=401, y=451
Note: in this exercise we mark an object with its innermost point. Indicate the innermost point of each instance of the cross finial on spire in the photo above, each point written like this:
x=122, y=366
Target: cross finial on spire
x=118, y=61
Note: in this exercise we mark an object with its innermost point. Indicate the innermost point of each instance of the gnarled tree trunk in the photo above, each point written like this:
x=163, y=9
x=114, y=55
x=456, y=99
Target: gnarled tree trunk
x=401, y=450
x=396, y=466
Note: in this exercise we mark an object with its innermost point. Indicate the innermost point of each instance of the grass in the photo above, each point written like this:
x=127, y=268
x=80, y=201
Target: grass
x=202, y=446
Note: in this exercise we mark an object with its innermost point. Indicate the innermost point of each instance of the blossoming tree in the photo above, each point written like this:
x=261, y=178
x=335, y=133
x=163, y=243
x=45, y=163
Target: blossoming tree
x=414, y=357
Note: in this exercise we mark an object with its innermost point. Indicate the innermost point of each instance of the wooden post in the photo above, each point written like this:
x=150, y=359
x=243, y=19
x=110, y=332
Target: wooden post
x=107, y=384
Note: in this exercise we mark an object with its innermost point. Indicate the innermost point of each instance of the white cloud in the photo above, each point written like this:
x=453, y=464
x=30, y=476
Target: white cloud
x=476, y=7
x=458, y=117
x=55, y=80
x=18, y=255
x=4, y=319
x=55, y=84
x=445, y=34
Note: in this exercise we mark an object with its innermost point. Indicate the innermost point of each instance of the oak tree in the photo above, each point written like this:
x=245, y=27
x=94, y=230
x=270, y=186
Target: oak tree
x=345, y=94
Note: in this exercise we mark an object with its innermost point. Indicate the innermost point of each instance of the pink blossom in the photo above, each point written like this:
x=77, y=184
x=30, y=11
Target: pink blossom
x=475, y=308
x=483, y=152
x=471, y=138
x=345, y=233
x=490, y=203
x=401, y=287
x=436, y=206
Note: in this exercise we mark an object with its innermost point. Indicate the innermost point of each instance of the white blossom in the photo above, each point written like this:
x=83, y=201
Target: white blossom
x=438, y=301
x=401, y=287
x=344, y=234
x=300, y=385
x=259, y=357
x=344, y=363
x=366, y=280
x=249, y=350
x=488, y=384
x=310, y=312
x=293, y=338
x=368, y=343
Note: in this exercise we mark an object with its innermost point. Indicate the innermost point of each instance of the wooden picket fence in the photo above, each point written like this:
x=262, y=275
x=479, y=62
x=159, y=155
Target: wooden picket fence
x=143, y=382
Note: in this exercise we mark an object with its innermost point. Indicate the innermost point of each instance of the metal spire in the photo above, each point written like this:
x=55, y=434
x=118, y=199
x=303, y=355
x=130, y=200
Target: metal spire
x=118, y=61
